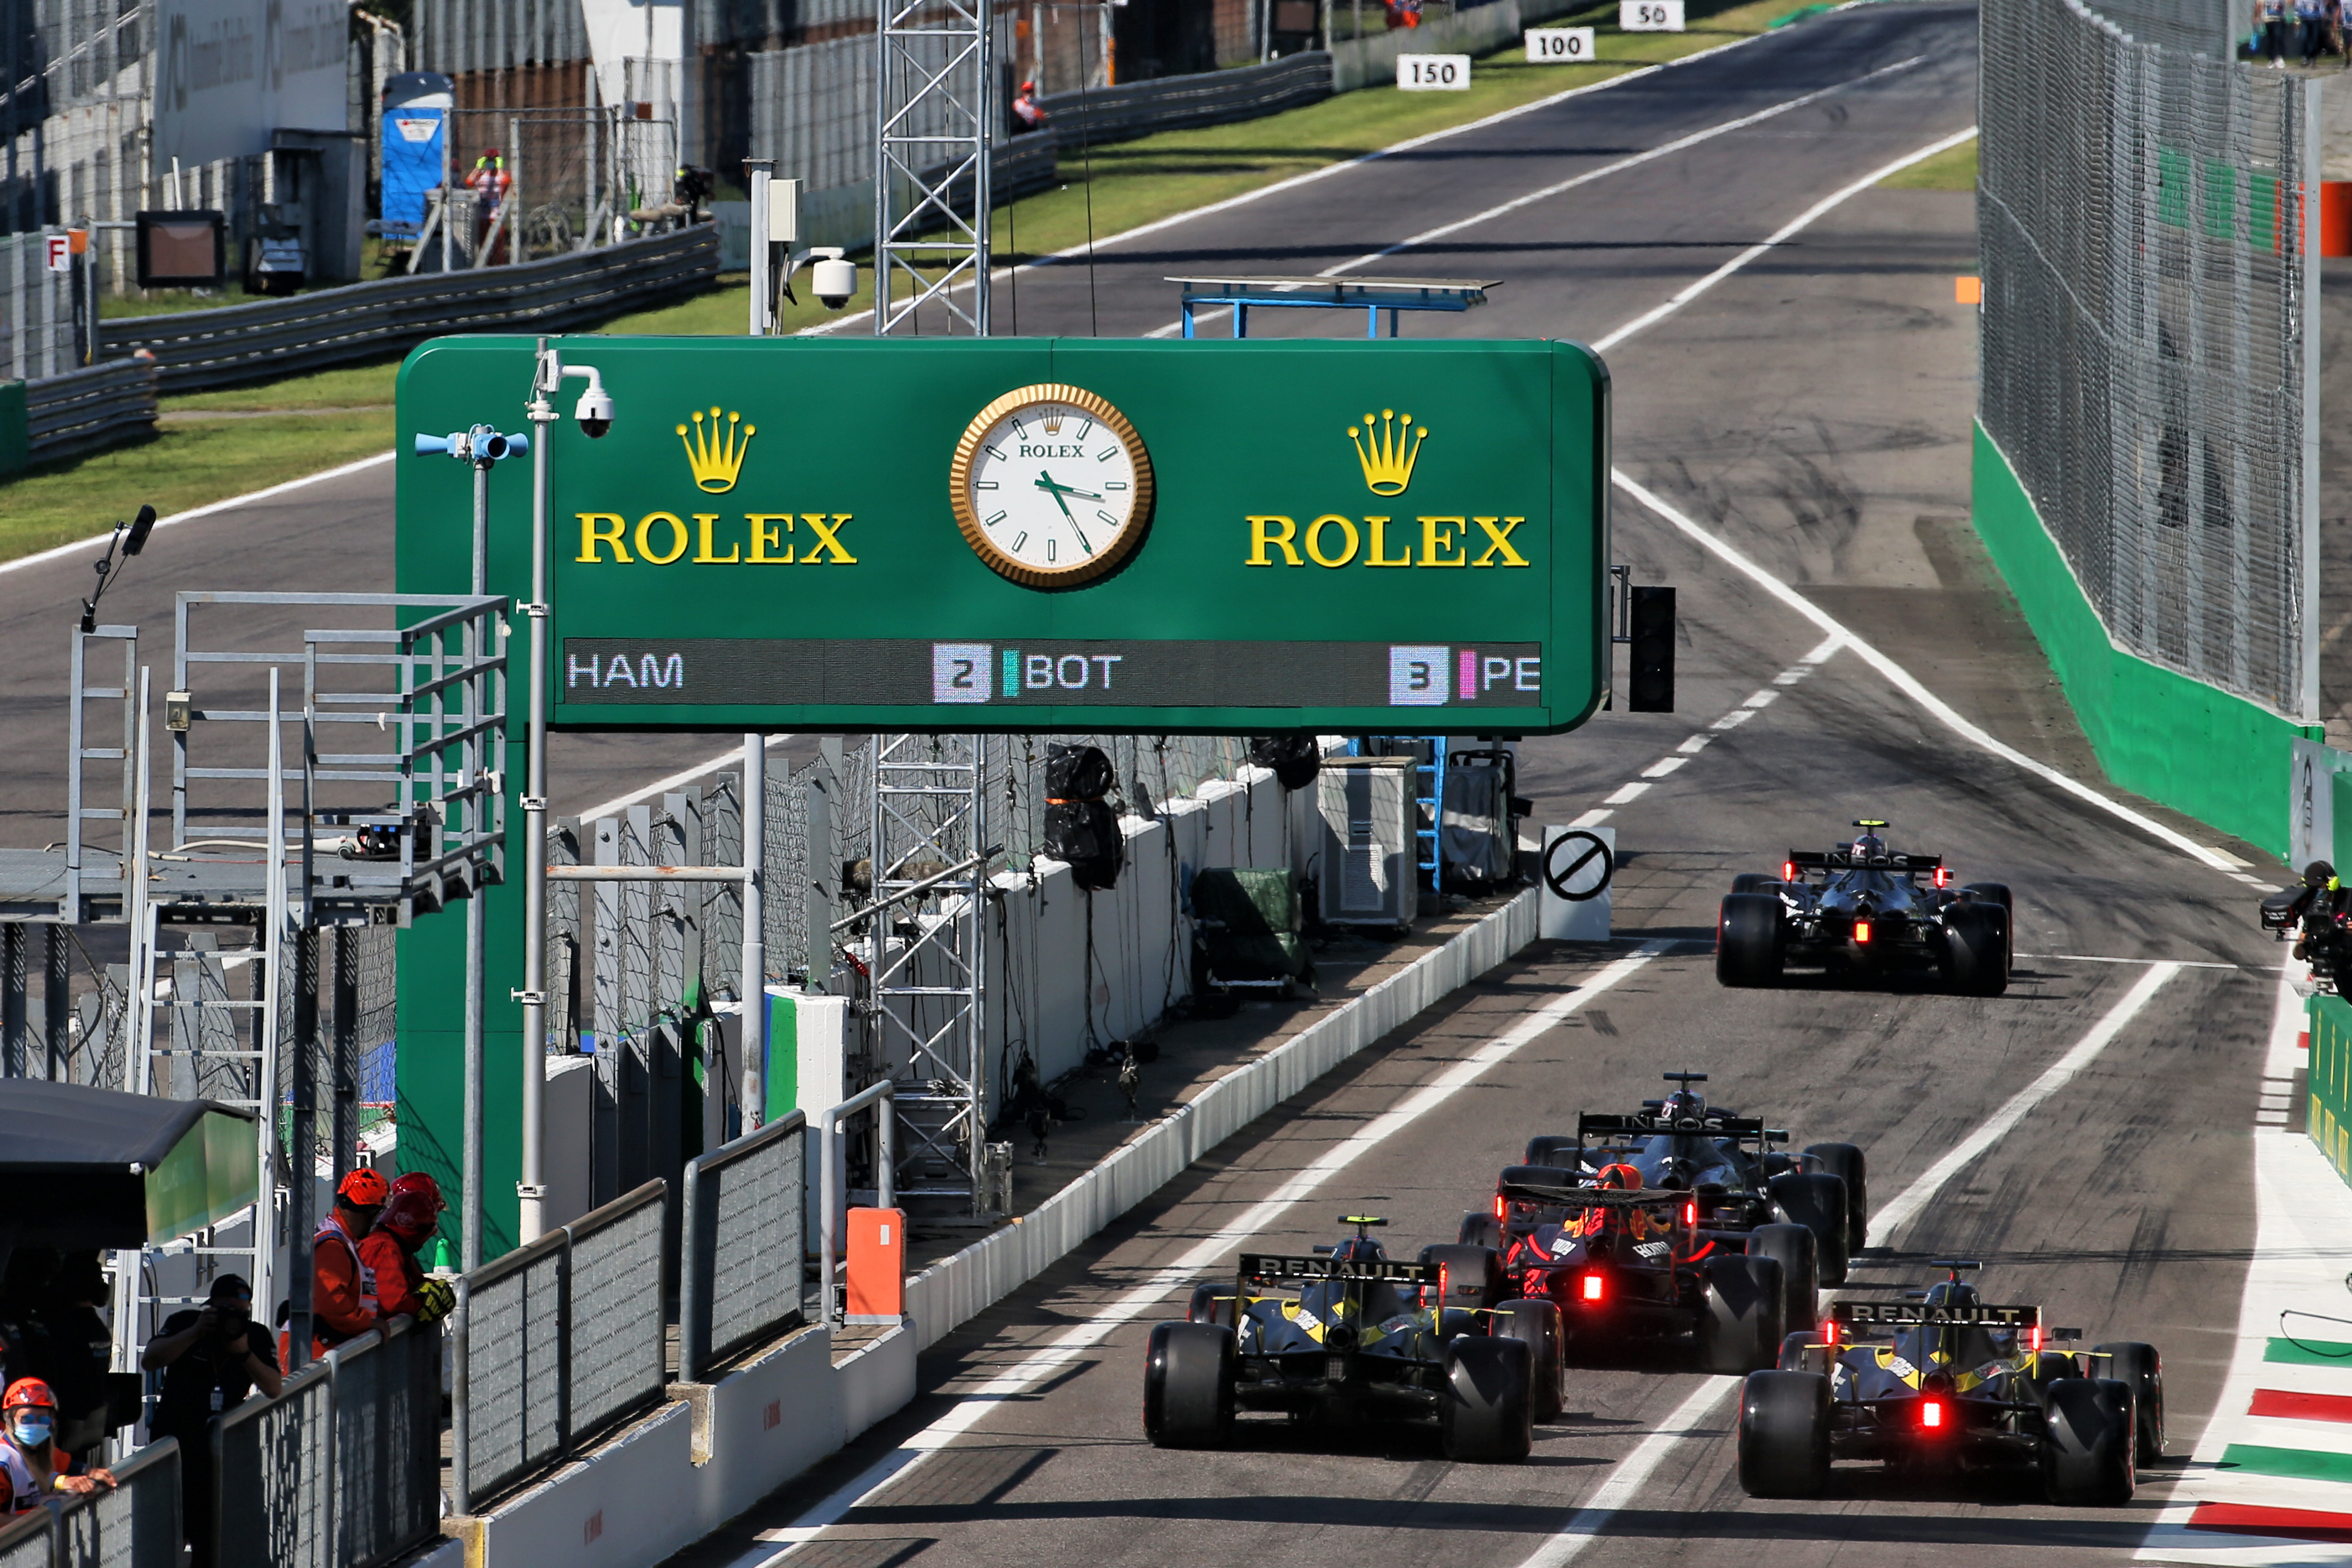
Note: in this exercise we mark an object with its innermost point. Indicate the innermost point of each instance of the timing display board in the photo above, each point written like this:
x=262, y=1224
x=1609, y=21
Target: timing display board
x=1033, y=534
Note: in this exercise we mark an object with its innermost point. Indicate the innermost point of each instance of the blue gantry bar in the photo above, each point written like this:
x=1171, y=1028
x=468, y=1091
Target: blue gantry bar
x=1370, y=295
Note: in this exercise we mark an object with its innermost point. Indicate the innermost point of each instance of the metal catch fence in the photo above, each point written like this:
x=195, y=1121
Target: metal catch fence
x=274, y=1463
x=36, y=332
x=134, y=1525
x=742, y=1243
x=2150, y=336
x=557, y=1342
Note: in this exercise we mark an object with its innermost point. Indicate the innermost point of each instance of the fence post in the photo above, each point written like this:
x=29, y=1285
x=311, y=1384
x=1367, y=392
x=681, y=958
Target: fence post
x=693, y=1303
x=461, y=1420
x=754, y=1031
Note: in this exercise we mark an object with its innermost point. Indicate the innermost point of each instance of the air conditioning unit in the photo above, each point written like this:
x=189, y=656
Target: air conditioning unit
x=1369, y=870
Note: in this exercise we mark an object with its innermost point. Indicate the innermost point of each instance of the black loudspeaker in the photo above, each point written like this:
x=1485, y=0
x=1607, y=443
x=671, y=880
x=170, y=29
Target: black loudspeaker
x=1294, y=759
x=1080, y=828
x=1651, y=688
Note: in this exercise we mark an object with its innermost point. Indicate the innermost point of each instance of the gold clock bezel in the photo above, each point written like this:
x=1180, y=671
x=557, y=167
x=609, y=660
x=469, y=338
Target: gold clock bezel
x=968, y=518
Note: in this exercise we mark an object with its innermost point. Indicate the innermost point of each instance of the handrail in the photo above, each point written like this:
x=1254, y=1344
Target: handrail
x=828, y=1131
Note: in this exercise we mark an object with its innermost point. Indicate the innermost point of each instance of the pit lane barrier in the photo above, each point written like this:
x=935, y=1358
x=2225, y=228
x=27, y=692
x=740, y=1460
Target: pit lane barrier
x=2328, y=1081
x=134, y=1525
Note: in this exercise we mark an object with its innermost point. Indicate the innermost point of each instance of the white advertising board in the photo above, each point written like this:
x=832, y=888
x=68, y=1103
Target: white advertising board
x=229, y=72
x=1649, y=15
x=1434, y=73
x=1559, y=45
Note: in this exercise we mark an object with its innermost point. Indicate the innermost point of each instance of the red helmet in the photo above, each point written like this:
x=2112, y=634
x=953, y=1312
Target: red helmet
x=362, y=1188
x=28, y=1390
x=1622, y=1177
x=413, y=1211
x=418, y=1182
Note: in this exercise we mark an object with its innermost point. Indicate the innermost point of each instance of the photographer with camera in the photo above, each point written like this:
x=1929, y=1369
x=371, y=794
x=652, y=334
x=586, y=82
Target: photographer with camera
x=212, y=1360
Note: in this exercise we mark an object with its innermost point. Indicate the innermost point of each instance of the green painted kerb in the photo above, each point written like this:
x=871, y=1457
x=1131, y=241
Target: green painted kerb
x=2192, y=746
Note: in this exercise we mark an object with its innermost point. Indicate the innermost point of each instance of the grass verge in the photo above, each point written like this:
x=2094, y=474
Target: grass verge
x=304, y=424
x=1953, y=169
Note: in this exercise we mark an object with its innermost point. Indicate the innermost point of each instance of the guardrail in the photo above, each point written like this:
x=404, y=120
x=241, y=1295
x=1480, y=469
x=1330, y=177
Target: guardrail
x=1172, y=102
x=2328, y=1081
x=557, y=1342
x=197, y=348
x=136, y=1525
x=343, y=1467
x=88, y=410
x=741, y=1239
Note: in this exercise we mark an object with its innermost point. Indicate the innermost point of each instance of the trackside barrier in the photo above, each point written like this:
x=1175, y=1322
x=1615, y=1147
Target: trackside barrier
x=136, y=1525
x=30, y=1541
x=87, y=410
x=960, y=1287
x=742, y=1235
x=342, y=1470
x=557, y=1342
x=2330, y=1081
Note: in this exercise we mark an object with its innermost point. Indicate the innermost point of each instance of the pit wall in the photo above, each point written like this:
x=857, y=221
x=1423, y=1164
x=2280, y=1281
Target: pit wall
x=2176, y=741
x=2330, y=1107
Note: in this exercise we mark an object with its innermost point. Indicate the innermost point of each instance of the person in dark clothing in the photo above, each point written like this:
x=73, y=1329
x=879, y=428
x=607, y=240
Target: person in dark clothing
x=80, y=1350
x=23, y=1331
x=212, y=1360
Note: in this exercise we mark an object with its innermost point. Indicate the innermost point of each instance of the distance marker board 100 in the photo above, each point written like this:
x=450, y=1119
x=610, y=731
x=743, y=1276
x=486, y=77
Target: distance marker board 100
x=1031, y=535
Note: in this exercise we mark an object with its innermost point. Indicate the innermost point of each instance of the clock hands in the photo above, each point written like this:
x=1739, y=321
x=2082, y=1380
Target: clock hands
x=1045, y=482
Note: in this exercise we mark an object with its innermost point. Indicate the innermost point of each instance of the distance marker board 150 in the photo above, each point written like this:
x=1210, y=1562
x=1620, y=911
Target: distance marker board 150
x=1030, y=535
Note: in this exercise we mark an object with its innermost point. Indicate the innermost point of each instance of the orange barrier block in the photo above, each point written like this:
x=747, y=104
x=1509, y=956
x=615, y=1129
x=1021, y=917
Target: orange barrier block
x=877, y=1266
x=1968, y=290
x=2335, y=218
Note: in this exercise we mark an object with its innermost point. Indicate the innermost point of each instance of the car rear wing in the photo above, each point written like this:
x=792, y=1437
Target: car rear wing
x=1271, y=1268
x=1571, y=1196
x=1645, y=1124
x=1872, y=1317
x=1847, y=861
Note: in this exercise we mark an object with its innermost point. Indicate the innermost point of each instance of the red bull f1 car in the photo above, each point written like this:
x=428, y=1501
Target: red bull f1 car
x=1951, y=1384
x=1863, y=909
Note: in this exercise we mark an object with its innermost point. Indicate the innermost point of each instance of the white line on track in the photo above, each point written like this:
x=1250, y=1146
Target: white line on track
x=1664, y=149
x=969, y=1408
x=1629, y=1483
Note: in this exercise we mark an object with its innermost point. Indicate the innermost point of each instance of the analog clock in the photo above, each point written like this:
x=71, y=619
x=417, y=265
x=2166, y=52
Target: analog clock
x=1051, y=485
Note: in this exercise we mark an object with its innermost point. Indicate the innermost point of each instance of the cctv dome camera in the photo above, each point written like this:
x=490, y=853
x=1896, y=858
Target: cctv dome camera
x=833, y=278
x=594, y=411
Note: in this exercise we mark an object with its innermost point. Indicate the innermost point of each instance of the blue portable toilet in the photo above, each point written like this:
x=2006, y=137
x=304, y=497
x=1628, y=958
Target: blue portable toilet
x=417, y=107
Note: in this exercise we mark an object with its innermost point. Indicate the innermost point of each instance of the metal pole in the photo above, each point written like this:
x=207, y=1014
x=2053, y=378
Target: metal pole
x=303, y=1143
x=531, y=1190
x=469, y=1217
x=754, y=984
x=763, y=288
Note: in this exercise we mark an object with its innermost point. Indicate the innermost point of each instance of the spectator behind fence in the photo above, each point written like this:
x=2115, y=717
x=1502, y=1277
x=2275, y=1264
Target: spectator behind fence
x=212, y=1360
x=410, y=1216
x=2274, y=26
x=35, y=1467
x=80, y=1350
x=344, y=1304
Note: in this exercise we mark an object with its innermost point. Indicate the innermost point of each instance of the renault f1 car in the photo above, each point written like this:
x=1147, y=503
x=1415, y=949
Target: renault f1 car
x=1951, y=1385
x=1728, y=1164
x=1861, y=909
x=1348, y=1335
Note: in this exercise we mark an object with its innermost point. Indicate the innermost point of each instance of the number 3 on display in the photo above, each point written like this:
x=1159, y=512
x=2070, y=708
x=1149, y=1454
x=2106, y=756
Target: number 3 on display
x=1650, y=15
x=1434, y=73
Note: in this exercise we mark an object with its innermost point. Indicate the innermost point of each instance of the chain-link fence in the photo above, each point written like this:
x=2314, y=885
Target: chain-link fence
x=2150, y=336
x=2209, y=28
x=37, y=331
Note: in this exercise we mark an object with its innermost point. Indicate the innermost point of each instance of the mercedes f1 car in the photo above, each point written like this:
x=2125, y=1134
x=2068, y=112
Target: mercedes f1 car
x=1951, y=1385
x=1861, y=909
x=1348, y=1335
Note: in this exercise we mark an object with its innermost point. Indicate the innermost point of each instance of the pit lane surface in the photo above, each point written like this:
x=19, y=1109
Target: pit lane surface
x=1814, y=410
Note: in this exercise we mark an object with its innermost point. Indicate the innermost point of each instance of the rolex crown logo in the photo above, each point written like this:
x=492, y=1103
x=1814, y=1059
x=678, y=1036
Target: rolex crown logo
x=1054, y=423
x=716, y=455
x=1387, y=450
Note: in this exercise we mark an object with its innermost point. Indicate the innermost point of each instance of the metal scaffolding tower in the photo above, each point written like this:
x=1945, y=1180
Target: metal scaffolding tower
x=935, y=116
x=927, y=959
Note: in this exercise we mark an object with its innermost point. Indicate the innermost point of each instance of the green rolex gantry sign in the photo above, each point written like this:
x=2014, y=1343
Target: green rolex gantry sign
x=1051, y=534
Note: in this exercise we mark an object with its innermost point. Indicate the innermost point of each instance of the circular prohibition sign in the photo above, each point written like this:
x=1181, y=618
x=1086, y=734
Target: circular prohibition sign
x=1570, y=866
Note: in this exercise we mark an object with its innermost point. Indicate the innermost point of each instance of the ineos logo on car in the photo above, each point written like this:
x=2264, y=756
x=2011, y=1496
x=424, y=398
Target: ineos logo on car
x=1578, y=866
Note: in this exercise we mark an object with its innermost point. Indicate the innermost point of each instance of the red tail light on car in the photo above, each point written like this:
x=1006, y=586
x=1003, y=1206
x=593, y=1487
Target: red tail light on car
x=1943, y=875
x=1862, y=933
x=1690, y=1210
x=1498, y=1205
x=1592, y=1290
x=1830, y=1332
x=1931, y=1414
x=1788, y=871
x=2033, y=1339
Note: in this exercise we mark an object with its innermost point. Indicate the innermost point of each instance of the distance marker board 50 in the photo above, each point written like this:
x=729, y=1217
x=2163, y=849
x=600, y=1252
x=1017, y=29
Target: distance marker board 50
x=1041, y=534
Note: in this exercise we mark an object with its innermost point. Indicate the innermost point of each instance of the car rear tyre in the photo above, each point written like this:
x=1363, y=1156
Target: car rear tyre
x=1742, y=1329
x=1748, y=941
x=1189, y=1371
x=1818, y=1202
x=1998, y=893
x=1205, y=1307
x=1845, y=1161
x=1797, y=1250
x=1535, y=1324
x=1976, y=950
x=1784, y=1434
x=1480, y=1229
x=2087, y=1459
x=2142, y=1370
x=1487, y=1413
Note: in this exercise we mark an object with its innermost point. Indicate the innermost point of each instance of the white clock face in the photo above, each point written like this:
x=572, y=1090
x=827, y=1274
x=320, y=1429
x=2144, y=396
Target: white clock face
x=1052, y=489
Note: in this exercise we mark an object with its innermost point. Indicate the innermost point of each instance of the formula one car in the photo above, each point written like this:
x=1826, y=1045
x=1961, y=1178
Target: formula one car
x=1957, y=1386
x=1866, y=914
x=1724, y=1160
x=1361, y=1337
